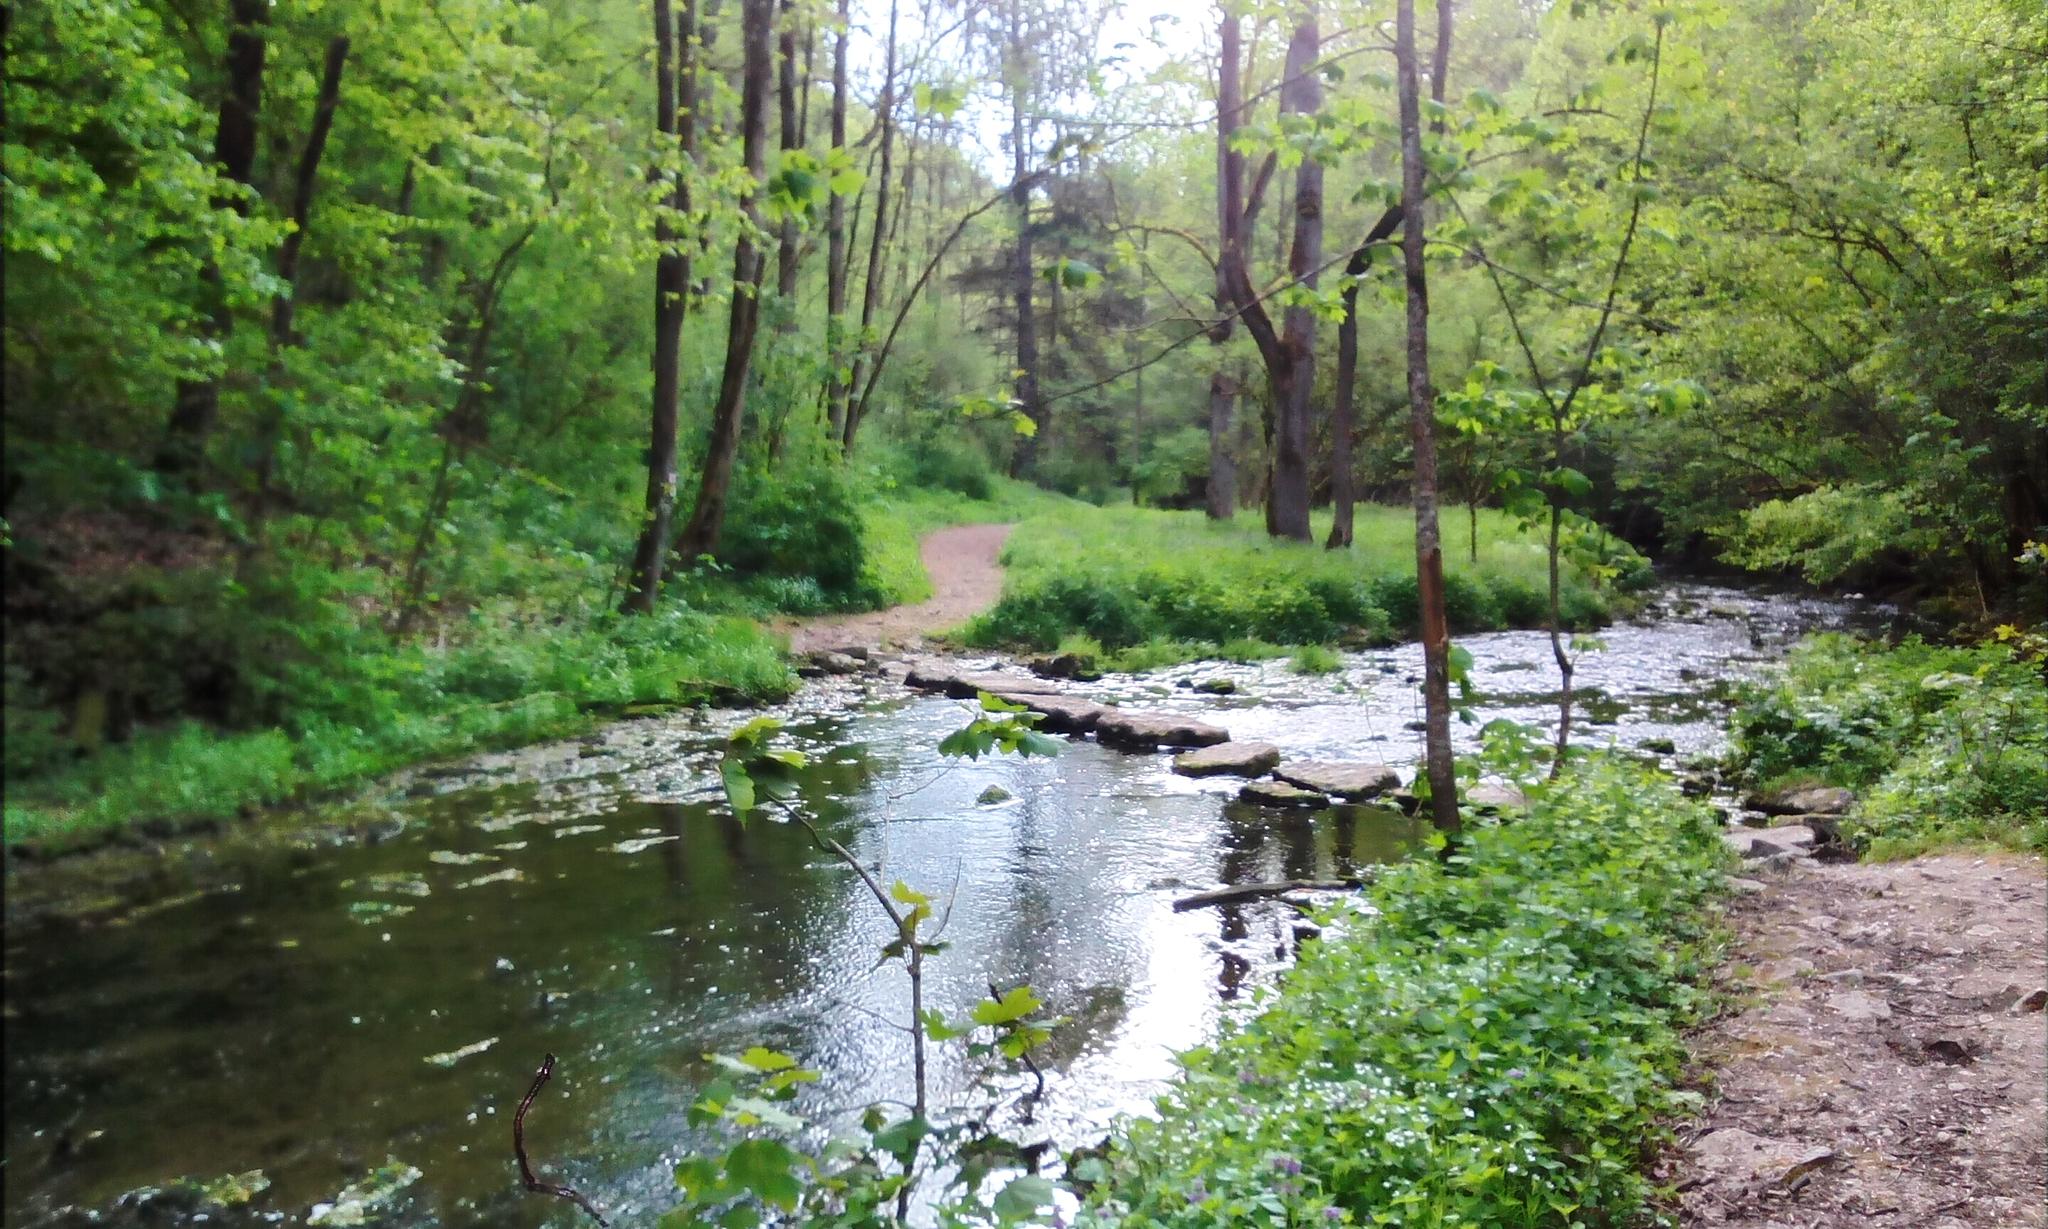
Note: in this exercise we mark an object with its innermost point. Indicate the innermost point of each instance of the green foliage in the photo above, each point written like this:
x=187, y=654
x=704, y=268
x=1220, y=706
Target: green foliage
x=799, y=523
x=1130, y=577
x=1497, y=1043
x=342, y=721
x=1944, y=745
x=1315, y=659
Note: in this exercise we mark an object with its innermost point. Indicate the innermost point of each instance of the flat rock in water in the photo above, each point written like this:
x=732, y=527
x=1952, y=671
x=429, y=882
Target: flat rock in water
x=1822, y=800
x=1228, y=759
x=1350, y=781
x=1063, y=714
x=1280, y=794
x=1150, y=731
x=966, y=684
x=1735, y=1155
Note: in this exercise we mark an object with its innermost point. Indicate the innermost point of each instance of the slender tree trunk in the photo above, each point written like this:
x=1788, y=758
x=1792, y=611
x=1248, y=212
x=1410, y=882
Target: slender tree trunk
x=836, y=249
x=1301, y=95
x=1025, y=459
x=871, y=286
x=197, y=401
x=283, y=308
x=707, y=521
x=1222, y=494
x=671, y=292
x=786, y=247
x=1429, y=555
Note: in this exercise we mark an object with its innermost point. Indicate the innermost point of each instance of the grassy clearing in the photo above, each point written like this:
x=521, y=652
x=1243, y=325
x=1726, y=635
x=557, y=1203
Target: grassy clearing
x=1944, y=746
x=1184, y=586
x=357, y=720
x=1496, y=1044
x=896, y=523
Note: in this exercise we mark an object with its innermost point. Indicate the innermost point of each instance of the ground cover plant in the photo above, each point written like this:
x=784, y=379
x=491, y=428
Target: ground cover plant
x=1167, y=586
x=1491, y=1041
x=1943, y=745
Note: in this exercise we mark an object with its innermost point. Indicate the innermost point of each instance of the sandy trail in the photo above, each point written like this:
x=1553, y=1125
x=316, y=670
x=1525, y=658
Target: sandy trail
x=966, y=580
x=1889, y=1068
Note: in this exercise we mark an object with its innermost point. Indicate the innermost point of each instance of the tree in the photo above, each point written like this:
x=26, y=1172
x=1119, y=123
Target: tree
x=707, y=520
x=1429, y=555
x=675, y=107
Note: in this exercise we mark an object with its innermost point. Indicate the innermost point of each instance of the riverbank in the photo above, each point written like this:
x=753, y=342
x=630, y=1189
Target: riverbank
x=360, y=706
x=1883, y=1059
x=1136, y=588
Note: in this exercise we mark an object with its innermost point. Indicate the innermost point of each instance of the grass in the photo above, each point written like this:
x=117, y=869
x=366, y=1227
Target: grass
x=379, y=713
x=1182, y=585
x=897, y=522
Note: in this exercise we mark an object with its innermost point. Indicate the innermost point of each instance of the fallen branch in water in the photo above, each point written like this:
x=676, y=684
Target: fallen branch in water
x=1253, y=891
x=540, y=1078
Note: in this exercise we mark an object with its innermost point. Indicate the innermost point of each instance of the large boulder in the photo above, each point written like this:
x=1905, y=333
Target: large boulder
x=1347, y=781
x=1150, y=731
x=1280, y=794
x=1763, y=842
x=1228, y=759
x=1493, y=797
x=1819, y=800
x=1062, y=714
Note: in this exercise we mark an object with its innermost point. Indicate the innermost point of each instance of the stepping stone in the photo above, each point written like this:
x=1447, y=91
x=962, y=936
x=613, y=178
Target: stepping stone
x=1348, y=781
x=1228, y=759
x=966, y=684
x=1280, y=794
x=1150, y=731
x=1063, y=714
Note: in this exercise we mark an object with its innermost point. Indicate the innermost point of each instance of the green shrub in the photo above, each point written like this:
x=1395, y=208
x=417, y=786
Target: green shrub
x=800, y=523
x=1315, y=659
x=1944, y=744
x=1495, y=1044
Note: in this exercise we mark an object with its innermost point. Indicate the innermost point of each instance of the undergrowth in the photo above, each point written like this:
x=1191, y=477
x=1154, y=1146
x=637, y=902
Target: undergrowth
x=1944, y=746
x=1493, y=1042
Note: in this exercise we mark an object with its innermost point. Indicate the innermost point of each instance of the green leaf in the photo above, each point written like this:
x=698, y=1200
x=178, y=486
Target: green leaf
x=1022, y=1197
x=1013, y=1005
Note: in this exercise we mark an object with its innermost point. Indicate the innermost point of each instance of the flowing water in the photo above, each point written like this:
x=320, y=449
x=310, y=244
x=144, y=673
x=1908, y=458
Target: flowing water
x=319, y=994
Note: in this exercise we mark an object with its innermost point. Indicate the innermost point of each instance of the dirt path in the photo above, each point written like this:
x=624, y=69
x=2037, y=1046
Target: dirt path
x=1890, y=1070
x=966, y=580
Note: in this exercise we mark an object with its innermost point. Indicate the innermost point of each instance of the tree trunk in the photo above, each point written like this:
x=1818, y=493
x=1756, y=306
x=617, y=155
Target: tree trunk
x=283, y=309
x=871, y=286
x=1025, y=459
x=707, y=521
x=786, y=248
x=836, y=249
x=673, y=60
x=1429, y=555
x=1222, y=493
x=1302, y=95
x=197, y=402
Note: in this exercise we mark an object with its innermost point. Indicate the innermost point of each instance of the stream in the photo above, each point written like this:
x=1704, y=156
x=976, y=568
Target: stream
x=315, y=995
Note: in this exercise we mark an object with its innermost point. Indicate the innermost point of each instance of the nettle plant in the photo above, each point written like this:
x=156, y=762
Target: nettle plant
x=951, y=1162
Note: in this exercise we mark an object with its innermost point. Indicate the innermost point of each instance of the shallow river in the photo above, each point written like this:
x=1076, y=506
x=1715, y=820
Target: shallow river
x=272, y=1000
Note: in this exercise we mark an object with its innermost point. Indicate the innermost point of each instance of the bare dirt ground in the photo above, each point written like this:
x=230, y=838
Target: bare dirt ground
x=1889, y=1068
x=966, y=580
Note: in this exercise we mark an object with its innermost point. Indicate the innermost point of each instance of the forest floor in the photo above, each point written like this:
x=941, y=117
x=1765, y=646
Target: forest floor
x=1886, y=1064
x=966, y=580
